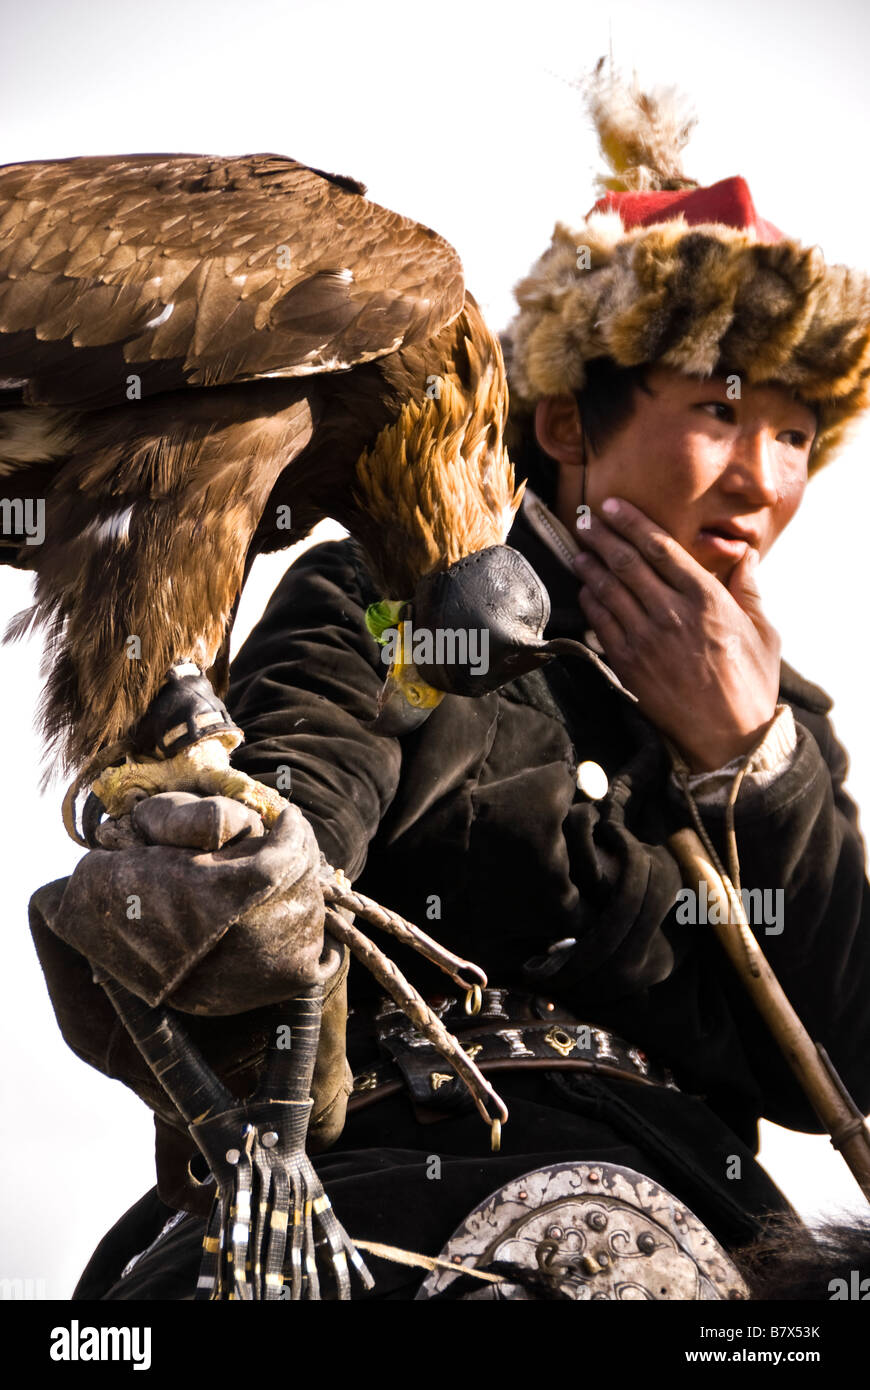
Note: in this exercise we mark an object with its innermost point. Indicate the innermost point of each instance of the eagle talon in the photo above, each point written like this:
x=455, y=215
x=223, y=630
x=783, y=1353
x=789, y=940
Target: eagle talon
x=203, y=767
x=182, y=743
x=92, y=813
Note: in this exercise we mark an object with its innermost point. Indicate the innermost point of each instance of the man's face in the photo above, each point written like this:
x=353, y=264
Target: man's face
x=718, y=474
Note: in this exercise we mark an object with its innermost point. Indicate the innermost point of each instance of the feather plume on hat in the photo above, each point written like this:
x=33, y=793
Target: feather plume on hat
x=665, y=272
x=641, y=134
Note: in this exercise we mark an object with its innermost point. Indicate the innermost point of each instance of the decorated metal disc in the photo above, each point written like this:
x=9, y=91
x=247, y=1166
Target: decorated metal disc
x=589, y=1231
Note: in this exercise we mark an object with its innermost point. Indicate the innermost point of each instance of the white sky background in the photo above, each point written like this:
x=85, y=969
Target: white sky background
x=461, y=115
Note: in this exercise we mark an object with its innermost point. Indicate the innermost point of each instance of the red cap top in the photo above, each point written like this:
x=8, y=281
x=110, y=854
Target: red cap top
x=728, y=201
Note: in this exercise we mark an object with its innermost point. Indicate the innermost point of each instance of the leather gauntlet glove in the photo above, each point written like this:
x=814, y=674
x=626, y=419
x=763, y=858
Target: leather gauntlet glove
x=196, y=907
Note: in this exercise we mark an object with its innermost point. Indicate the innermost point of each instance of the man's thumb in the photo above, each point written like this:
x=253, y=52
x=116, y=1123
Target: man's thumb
x=743, y=584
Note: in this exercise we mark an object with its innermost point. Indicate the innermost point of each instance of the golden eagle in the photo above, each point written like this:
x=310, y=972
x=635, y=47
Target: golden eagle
x=201, y=358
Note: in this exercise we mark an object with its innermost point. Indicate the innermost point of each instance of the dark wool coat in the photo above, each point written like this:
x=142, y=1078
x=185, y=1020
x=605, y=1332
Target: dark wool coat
x=481, y=808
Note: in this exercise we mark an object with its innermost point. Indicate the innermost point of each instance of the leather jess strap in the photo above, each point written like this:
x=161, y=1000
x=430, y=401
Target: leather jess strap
x=510, y=1032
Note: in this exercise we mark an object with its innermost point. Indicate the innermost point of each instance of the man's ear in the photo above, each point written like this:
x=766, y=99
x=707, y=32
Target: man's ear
x=558, y=429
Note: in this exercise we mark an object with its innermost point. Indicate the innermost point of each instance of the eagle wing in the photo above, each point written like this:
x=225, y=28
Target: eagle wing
x=192, y=270
x=185, y=271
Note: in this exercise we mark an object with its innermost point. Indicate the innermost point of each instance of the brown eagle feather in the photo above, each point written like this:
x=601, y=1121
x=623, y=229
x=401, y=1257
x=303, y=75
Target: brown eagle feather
x=281, y=335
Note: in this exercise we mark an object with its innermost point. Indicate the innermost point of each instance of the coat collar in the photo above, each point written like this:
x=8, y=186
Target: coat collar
x=549, y=548
x=546, y=544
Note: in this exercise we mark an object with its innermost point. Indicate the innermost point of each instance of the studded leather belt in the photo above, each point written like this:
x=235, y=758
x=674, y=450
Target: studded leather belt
x=511, y=1031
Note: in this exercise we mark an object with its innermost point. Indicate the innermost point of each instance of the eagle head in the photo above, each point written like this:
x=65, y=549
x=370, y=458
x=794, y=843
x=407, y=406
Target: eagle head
x=437, y=498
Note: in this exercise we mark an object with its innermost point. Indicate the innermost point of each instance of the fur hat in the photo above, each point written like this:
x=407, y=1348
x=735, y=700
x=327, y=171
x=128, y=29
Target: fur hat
x=665, y=272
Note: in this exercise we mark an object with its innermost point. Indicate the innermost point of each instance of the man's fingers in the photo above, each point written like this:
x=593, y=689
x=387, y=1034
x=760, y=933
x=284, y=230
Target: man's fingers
x=664, y=557
x=613, y=556
x=608, y=588
x=743, y=587
x=620, y=558
x=608, y=631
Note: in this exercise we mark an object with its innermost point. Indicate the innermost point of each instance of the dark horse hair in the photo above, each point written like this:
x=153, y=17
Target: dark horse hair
x=791, y=1261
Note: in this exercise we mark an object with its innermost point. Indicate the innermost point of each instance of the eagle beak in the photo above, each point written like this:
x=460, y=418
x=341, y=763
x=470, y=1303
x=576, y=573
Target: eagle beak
x=495, y=592
x=405, y=702
x=493, y=595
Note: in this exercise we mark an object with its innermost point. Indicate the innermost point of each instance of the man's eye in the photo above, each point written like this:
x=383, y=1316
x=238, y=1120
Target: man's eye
x=799, y=440
x=716, y=406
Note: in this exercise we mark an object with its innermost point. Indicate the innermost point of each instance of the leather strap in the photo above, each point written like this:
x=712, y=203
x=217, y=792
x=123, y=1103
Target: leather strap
x=507, y=1034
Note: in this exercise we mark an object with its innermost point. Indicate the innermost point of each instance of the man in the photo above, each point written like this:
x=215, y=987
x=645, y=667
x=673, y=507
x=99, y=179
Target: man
x=528, y=828
x=722, y=477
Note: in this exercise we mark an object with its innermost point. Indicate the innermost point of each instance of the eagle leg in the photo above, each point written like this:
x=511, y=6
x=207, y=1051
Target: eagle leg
x=184, y=711
x=183, y=742
x=202, y=767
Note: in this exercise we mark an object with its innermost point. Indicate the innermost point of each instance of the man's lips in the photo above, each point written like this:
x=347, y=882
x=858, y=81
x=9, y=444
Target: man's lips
x=727, y=538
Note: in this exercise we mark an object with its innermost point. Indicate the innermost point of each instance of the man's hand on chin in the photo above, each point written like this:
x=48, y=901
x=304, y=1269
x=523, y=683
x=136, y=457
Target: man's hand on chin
x=701, y=657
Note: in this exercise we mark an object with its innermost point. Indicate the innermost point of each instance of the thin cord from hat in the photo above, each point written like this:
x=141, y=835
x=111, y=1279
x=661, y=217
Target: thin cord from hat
x=584, y=467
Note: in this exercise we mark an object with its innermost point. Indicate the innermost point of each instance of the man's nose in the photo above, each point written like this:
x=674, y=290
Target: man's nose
x=752, y=468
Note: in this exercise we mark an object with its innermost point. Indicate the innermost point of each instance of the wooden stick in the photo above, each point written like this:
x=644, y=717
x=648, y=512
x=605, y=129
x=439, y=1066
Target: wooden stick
x=835, y=1108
